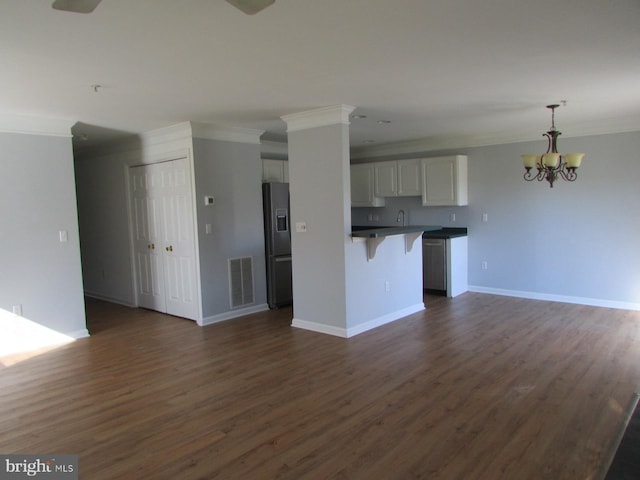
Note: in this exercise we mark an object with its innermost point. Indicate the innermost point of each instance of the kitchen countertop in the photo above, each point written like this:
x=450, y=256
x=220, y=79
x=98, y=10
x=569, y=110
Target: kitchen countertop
x=446, y=232
x=369, y=232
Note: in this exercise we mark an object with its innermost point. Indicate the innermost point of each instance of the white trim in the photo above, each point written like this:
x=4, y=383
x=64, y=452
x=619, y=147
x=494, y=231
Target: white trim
x=360, y=328
x=241, y=312
x=388, y=318
x=106, y=298
x=319, y=327
x=168, y=134
x=431, y=144
x=76, y=334
x=54, y=127
x=226, y=134
x=318, y=117
x=594, y=302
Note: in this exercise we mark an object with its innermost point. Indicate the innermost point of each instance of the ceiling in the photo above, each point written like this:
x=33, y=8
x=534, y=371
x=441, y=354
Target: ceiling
x=435, y=69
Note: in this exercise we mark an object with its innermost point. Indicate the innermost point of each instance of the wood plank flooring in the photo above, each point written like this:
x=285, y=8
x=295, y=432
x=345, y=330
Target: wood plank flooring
x=476, y=387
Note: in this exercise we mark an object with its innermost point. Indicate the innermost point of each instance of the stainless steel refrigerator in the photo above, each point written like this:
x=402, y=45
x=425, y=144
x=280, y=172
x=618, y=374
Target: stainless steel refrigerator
x=277, y=242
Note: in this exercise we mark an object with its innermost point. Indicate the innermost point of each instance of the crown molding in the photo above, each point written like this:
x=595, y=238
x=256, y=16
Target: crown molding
x=179, y=131
x=431, y=144
x=226, y=134
x=54, y=127
x=318, y=117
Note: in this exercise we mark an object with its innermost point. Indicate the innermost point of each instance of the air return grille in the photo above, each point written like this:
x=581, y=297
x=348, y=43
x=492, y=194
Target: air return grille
x=240, y=281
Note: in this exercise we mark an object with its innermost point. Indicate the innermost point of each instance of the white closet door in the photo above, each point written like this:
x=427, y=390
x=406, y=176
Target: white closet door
x=163, y=238
x=147, y=236
x=178, y=241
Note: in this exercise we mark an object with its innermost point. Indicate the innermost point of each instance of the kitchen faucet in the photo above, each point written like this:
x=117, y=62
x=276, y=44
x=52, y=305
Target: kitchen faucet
x=400, y=212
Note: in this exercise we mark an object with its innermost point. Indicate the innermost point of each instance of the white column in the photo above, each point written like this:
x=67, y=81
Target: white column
x=320, y=216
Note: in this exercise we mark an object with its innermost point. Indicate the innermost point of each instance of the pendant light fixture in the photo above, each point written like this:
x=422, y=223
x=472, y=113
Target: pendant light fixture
x=552, y=164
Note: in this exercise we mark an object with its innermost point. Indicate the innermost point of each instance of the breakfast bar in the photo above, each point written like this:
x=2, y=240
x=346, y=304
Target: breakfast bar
x=375, y=236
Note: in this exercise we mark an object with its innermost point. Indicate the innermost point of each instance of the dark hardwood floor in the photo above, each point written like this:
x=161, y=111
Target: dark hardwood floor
x=478, y=387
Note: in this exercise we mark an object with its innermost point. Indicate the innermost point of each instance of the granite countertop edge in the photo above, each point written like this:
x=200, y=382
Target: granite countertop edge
x=429, y=231
x=446, y=232
x=361, y=232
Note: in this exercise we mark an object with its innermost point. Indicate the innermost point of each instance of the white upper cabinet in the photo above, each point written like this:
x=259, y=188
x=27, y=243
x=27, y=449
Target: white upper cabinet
x=362, y=186
x=444, y=181
x=386, y=179
x=398, y=178
x=275, y=170
x=409, y=178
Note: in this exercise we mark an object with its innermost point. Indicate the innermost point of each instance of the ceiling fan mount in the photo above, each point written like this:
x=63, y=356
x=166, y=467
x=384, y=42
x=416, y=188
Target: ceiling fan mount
x=250, y=7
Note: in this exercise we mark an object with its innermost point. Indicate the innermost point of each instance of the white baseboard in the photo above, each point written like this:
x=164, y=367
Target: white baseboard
x=319, y=327
x=240, y=312
x=360, y=328
x=594, y=302
x=105, y=298
x=82, y=333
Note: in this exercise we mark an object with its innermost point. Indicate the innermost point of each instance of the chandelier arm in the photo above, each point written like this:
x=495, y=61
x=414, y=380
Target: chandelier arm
x=568, y=174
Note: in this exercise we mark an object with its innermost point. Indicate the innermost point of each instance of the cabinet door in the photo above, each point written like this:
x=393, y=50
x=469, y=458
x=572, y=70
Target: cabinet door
x=272, y=171
x=409, y=178
x=386, y=179
x=444, y=181
x=362, y=181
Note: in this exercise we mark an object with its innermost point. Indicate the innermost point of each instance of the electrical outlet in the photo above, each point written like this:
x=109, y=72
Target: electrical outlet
x=452, y=217
x=301, y=227
x=485, y=217
x=17, y=310
x=387, y=286
x=485, y=265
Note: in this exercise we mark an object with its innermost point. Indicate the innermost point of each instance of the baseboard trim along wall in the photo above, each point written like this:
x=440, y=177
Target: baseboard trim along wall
x=593, y=302
x=240, y=312
x=82, y=333
x=106, y=298
x=360, y=328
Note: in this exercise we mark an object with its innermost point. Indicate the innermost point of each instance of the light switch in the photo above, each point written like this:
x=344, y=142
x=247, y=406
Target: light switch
x=64, y=236
x=207, y=229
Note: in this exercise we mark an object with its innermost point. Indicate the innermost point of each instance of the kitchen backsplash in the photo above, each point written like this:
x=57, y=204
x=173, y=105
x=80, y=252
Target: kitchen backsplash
x=416, y=214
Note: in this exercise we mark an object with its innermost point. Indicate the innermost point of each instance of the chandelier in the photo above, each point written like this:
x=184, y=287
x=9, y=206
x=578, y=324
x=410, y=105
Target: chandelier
x=552, y=164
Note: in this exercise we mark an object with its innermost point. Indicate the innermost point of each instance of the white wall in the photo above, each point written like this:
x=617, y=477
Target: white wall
x=575, y=242
x=232, y=173
x=37, y=201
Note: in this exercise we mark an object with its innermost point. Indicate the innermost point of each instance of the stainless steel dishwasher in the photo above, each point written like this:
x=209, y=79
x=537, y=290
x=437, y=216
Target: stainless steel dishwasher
x=434, y=267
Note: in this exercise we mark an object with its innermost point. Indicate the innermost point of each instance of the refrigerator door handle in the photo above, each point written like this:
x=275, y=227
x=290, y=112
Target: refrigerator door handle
x=283, y=259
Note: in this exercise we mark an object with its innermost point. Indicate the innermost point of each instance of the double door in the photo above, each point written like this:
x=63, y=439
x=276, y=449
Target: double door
x=163, y=236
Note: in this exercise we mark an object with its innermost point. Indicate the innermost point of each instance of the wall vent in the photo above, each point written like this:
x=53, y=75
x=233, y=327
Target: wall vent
x=240, y=281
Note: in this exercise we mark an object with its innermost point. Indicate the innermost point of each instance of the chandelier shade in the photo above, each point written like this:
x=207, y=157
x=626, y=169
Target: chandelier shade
x=552, y=165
